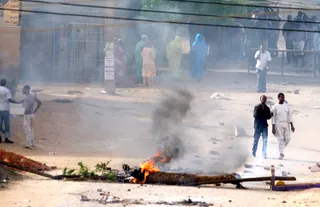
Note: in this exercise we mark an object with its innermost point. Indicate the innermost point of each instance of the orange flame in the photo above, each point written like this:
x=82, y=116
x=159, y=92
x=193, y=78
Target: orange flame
x=149, y=166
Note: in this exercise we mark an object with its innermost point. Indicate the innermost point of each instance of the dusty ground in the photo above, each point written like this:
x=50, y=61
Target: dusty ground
x=95, y=128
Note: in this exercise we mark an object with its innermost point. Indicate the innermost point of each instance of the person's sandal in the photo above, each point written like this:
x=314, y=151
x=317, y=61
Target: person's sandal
x=281, y=156
x=8, y=141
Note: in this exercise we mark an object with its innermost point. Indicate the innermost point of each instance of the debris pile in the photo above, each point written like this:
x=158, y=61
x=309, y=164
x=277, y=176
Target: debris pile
x=19, y=160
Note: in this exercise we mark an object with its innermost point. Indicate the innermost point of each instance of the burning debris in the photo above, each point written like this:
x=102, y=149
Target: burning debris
x=166, y=120
x=156, y=177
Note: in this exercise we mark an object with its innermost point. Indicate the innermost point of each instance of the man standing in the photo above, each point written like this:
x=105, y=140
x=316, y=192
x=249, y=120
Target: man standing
x=281, y=122
x=263, y=58
x=289, y=25
x=261, y=114
x=5, y=100
x=252, y=39
x=31, y=105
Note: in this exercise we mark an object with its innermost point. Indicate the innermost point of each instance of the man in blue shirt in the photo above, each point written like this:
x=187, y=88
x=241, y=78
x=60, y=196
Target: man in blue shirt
x=261, y=116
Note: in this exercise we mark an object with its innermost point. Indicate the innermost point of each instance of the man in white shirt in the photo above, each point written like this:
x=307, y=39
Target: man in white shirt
x=281, y=122
x=263, y=58
x=5, y=100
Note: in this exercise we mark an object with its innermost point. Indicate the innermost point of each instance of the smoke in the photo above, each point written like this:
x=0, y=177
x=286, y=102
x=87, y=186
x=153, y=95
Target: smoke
x=190, y=147
x=167, y=122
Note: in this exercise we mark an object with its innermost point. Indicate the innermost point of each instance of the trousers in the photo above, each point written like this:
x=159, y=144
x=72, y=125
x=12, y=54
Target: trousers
x=289, y=46
x=283, y=135
x=258, y=131
x=5, y=119
x=262, y=80
x=28, y=126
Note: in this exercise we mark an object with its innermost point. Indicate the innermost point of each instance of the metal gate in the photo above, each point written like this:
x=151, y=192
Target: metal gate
x=85, y=51
x=37, y=53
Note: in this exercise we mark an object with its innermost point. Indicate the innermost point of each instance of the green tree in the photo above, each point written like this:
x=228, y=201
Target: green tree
x=198, y=8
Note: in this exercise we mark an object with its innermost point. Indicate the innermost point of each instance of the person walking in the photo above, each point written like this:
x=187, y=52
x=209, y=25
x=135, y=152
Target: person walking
x=31, y=105
x=282, y=123
x=263, y=58
x=261, y=116
x=148, y=67
x=5, y=100
x=139, y=47
x=174, y=54
x=198, y=55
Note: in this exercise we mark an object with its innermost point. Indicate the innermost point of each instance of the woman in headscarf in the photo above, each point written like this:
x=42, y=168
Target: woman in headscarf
x=139, y=47
x=174, y=54
x=148, y=66
x=120, y=58
x=198, y=55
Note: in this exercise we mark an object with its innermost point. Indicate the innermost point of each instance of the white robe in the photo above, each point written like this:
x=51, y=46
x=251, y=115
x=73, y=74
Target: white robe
x=282, y=117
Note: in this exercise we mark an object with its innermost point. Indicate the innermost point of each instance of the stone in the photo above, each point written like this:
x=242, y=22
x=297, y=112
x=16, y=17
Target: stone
x=315, y=168
x=248, y=166
x=296, y=91
x=219, y=96
x=84, y=198
x=215, y=139
x=214, y=153
x=239, y=131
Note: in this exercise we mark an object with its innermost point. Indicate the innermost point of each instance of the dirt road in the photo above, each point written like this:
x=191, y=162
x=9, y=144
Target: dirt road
x=96, y=127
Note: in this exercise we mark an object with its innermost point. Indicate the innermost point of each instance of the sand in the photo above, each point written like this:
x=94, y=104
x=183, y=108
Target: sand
x=96, y=127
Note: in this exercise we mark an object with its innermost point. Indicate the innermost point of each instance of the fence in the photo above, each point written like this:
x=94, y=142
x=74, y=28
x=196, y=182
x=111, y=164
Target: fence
x=280, y=63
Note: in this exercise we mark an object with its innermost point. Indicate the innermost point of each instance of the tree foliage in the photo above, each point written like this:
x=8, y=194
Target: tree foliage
x=198, y=8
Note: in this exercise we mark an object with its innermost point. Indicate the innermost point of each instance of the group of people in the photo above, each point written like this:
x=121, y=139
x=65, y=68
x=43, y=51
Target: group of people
x=297, y=40
x=282, y=124
x=31, y=105
x=145, y=55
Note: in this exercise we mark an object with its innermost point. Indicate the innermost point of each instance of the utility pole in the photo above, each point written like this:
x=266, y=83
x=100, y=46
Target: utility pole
x=109, y=64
